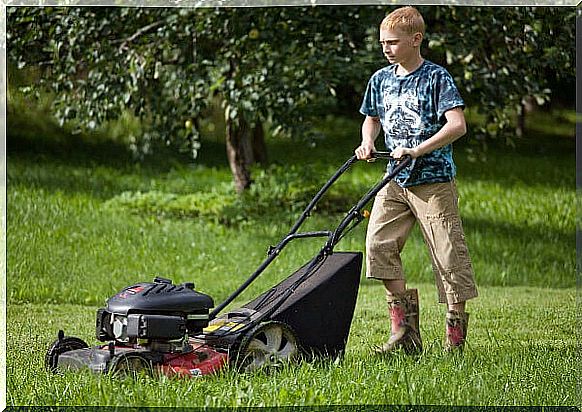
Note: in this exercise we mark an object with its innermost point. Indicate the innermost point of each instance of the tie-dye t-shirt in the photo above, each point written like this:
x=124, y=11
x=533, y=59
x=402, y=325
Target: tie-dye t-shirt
x=411, y=109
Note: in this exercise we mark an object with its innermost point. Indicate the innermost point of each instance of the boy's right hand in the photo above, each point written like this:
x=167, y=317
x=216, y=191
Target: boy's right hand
x=364, y=151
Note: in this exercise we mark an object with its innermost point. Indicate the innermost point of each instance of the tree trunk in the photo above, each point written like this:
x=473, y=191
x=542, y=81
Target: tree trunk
x=259, y=146
x=526, y=107
x=247, y=143
x=520, y=127
x=236, y=153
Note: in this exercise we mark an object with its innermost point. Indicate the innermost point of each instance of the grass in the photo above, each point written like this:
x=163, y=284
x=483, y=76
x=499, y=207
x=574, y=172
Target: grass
x=522, y=352
x=68, y=250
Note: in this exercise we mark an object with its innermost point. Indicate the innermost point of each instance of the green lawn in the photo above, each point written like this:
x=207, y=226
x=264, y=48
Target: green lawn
x=522, y=351
x=72, y=244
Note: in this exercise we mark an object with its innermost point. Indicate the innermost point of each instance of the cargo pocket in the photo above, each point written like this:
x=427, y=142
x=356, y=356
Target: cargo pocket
x=448, y=242
x=383, y=261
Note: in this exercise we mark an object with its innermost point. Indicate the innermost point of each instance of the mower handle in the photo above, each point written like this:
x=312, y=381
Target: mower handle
x=333, y=237
x=355, y=214
x=332, y=180
x=383, y=155
x=378, y=155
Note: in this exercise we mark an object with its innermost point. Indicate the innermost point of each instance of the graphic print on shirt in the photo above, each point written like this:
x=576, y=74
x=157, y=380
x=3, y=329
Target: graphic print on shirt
x=402, y=120
x=411, y=110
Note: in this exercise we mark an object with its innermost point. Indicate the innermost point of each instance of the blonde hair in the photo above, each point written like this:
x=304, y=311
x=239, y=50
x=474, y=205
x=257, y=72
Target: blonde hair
x=407, y=19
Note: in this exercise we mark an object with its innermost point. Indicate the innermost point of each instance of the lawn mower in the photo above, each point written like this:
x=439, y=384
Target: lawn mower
x=161, y=327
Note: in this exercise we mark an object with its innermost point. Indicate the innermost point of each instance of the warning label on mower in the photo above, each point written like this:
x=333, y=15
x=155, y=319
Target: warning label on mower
x=231, y=326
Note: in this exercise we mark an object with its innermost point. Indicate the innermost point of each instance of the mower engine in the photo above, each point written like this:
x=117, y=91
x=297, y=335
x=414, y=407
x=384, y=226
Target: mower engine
x=147, y=326
x=160, y=313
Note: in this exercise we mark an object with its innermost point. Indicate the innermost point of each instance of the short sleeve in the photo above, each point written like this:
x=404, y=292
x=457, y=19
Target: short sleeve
x=369, y=105
x=447, y=95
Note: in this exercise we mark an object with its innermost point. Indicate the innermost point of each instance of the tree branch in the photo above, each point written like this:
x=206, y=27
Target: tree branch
x=137, y=34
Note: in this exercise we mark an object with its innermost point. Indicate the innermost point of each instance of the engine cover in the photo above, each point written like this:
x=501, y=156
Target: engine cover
x=153, y=311
x=159, y=297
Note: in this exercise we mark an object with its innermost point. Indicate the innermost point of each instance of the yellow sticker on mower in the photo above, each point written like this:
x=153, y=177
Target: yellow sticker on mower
x=223, y=324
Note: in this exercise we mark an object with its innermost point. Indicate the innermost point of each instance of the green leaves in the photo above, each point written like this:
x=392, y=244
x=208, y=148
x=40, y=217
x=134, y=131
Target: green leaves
x=499, y=57
x=166, y=64
x=278, y=65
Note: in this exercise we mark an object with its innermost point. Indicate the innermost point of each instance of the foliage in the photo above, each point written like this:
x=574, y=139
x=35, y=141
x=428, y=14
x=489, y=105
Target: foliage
x=99, y=62
x=167, y=64
x=198, y=205
x=500, y=57
x=282, y=66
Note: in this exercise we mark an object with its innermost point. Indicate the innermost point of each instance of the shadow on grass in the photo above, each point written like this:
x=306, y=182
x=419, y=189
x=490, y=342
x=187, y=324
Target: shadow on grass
x=503, y=254
x=509, y=166
x=512, y=255
x=539, y=159
x=47, y=157
x=75, y=151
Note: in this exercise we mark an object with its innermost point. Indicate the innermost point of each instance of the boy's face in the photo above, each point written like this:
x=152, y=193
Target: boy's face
x=399, y=46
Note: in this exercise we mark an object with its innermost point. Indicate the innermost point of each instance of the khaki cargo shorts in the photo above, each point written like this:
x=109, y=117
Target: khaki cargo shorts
x=435, y=207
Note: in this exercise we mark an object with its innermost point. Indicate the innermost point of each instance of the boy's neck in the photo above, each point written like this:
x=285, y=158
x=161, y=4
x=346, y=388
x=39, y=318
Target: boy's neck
x=407, y=67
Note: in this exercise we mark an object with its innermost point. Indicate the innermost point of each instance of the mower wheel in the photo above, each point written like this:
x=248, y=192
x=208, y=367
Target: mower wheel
x=61, y=345
x=131, y=364
x=268, y=345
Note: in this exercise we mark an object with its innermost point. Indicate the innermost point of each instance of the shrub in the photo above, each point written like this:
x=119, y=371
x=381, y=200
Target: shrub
x=276, y=190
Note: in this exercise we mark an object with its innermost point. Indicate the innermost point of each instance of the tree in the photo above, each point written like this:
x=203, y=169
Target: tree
x=165, y=65
x=503, y=57
x=274, y=65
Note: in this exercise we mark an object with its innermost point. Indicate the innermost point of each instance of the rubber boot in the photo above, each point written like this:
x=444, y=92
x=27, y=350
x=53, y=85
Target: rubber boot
x=405, y=332
x=456, y=330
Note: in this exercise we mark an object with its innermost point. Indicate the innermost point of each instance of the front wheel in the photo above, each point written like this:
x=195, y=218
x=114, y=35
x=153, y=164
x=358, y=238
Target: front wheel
x=61, y=345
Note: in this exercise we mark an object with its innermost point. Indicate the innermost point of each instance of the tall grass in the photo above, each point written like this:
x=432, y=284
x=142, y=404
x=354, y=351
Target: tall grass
x=69, y=249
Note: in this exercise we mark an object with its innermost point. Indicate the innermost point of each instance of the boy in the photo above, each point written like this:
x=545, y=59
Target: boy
x=416, y=104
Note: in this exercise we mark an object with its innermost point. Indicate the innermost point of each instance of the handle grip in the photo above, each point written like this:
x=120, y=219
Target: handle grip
x=386, y=155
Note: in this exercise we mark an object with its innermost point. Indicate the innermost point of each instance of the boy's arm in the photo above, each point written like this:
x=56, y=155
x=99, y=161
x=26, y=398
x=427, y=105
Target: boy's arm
x=370, y=131
x=454, y=128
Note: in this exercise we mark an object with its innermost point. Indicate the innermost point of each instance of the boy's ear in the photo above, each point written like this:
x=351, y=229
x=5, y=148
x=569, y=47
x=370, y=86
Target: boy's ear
x=417, y=39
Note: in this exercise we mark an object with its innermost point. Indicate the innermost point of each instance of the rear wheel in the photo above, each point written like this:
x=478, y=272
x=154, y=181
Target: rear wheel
x=270, y=344
x=61, y=345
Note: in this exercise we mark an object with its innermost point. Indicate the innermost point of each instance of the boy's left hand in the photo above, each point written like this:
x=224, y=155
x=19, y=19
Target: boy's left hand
x=400, y=152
